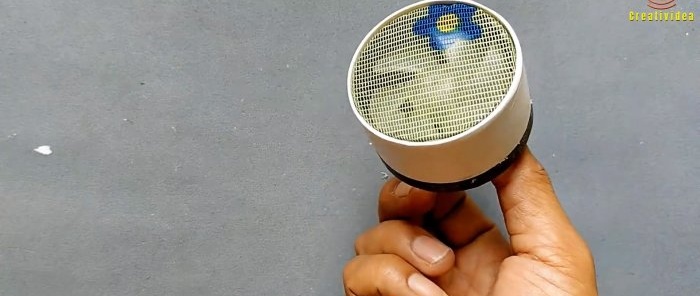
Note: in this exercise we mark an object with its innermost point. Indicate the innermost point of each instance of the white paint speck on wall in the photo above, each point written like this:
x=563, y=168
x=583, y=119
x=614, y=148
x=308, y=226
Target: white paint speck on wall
x=43, y=150
x=384, y=175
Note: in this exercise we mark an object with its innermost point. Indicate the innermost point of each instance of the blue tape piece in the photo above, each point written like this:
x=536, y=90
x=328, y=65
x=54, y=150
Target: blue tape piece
x=465, y=30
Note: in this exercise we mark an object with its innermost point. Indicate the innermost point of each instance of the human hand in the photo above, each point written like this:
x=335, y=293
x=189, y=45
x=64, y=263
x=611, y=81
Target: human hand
x=432, y=244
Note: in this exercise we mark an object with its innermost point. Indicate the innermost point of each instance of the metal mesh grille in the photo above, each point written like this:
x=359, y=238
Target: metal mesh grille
x=433, y=72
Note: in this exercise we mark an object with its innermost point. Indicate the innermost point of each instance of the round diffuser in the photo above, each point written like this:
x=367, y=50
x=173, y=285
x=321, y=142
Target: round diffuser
x=440, y=88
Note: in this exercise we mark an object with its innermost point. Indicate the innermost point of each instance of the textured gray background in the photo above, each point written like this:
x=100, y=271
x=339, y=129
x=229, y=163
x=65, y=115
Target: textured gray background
x=207, y=147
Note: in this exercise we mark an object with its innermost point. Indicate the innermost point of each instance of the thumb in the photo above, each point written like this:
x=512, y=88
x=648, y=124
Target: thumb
x=536, y=222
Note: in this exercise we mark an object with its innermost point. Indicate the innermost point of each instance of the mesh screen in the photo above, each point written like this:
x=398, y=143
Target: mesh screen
x=433, y=72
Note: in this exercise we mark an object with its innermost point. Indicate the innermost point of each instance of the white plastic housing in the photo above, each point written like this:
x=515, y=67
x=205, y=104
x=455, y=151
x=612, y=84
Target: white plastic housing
x=466, y=155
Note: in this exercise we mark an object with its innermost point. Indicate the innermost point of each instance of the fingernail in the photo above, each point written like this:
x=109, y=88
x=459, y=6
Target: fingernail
x=423, y=286
x=429, y=249
x=402, y=189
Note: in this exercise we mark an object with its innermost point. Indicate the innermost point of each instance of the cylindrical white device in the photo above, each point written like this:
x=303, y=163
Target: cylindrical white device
x=440, y=88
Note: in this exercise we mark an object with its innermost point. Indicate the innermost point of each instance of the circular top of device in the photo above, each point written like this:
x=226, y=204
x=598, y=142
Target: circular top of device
x=433, y=70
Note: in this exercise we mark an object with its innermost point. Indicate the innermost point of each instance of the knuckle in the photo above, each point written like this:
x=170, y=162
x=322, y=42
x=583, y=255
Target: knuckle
x=349, y=292
x=360, y=242
x=538, y=172
x=373, y=272
x=394, y=231
x=350, y=270
x=541, y=171
x=370, y=239
x=389, y=269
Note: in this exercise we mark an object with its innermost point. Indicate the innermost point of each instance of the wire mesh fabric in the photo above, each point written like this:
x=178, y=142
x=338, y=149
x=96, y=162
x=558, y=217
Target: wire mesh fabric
x=433, y=72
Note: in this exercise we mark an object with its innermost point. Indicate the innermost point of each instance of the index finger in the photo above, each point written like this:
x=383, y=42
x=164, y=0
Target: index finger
x=400, y=201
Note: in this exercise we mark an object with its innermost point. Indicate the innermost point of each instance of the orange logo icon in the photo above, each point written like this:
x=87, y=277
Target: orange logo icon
x=661, y=4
